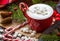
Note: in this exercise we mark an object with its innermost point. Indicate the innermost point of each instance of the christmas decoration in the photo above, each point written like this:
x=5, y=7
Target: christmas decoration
x=12, y=13
x=3, y=2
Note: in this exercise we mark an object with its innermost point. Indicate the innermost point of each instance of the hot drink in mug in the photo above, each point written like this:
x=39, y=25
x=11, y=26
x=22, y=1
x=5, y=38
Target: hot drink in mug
x=39, y=16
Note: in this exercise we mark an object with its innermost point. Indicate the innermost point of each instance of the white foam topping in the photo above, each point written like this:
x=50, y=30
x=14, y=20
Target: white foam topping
x=40, y=11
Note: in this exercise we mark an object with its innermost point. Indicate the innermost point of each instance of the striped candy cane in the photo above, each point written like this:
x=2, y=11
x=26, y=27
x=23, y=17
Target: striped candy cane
x=10, y=30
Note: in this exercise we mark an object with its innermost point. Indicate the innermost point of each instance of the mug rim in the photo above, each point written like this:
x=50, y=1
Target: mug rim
x=39, y=17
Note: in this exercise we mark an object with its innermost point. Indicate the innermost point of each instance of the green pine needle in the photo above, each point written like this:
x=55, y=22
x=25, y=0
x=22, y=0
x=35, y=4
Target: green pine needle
x=17, y=15
x=49, y=37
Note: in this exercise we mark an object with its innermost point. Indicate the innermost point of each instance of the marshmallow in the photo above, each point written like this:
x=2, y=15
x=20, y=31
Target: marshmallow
x=1, y=36
x=26, y=38
x=19, y=35
x=15, y=34
x=25, y=30
x=18, y=38
x=21, y=29
x=23, y=37
x=1, y=30
x=30, y=31
x=36, y=39
x=32, y=39
x=32, y=34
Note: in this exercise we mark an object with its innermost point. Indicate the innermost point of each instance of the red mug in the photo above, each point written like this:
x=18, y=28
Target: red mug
x=37, y=22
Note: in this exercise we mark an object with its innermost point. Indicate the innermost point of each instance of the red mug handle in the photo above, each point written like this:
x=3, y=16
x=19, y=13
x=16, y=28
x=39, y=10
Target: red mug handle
x=23, y=6
x=56, y=15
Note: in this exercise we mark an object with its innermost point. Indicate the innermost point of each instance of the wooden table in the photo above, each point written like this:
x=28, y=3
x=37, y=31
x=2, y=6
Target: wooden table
x=14, y=24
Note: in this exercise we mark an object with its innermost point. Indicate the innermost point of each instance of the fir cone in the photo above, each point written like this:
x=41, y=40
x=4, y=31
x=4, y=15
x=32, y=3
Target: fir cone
x=6, y=20
x=5, y=14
